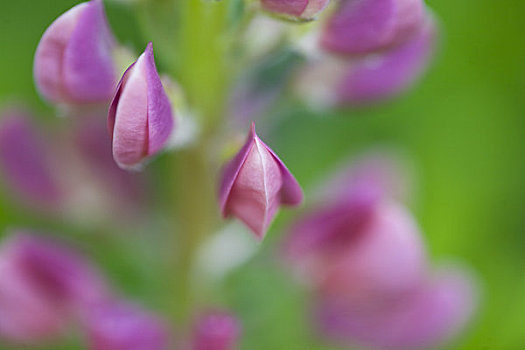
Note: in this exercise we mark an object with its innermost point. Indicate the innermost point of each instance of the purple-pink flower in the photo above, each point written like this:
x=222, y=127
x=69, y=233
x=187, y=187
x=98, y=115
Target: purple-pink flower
x=43, y=285
x=74, y=59
x=301, y=9
x=379, y=77
x=216, y=330
x=360, y=27
x=140, y=118
x=119, y=325
x=422, y=318
x=255, y=184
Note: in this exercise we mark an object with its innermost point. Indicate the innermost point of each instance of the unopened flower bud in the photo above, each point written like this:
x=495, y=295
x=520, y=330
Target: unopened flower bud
x=73, y=62
x=299, y=9
x=216, y=331
x=363, y=26
x=24, y=162
x=140, y=118
x=255, y=184
x=119, y=325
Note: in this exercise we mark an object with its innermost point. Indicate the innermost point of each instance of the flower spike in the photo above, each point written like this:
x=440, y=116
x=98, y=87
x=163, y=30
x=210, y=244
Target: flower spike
x=255, y=183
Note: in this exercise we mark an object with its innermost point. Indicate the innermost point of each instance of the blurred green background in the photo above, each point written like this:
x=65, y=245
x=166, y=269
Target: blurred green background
x=463, y=126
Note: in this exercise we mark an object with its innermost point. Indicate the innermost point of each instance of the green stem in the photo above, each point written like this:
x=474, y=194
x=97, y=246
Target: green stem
x=204, y=77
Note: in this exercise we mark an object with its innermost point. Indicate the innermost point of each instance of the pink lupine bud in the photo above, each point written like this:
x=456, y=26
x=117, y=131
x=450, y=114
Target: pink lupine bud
x=364, y=26
x=379, y=77
x=24, y=162
x=122, y=326
x=424, y=318
x=140, y=118
x=255, y=184
x=216, y=331
x=73, y=62
x=299, y=9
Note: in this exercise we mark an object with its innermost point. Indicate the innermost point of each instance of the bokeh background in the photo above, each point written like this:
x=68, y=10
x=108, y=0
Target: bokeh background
x=462, y=126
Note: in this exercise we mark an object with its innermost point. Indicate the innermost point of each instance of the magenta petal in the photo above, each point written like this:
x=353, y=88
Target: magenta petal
x=160, y=116
x=424, y=318
x=255, y=183
x=378, y=78
x=216, y=331
x=123, y=326
x=364, y=26
x=24, y=161
x=27, y=316
x=73, y=61
x=387, y=259
x=57, y=271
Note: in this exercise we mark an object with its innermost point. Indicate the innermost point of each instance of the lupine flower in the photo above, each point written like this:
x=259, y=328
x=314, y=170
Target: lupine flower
x=25, y=162
x=423, y=318
x=43, y=284
x=364, y=26
x=140, y=118
x=255, y=183
x=362, y=248
x=300, y=9
x=28, y=315
x=119, y=325
x=216, y=331
x=337, y=81
x=73, y=62
x=380, y=77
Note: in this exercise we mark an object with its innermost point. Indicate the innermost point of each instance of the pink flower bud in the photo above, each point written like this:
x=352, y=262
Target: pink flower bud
x=123, y=326
x=73, y=62
x=300, y=9
x=380, y=77
x=365, y=26
x=140, y=118
x=426, y=317
x=42, y=284
x=216, y=331
x=255, y=183
x=24, y=162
